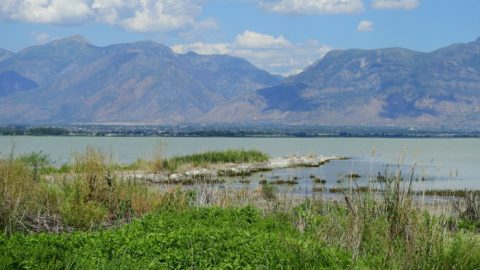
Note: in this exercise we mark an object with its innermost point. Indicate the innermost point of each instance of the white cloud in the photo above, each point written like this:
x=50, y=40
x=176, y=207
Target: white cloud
x=46, y=11
x=395, y=4
x=365, y=26
x=198, y=30
x=203, y=48
x=151, y=16
x=41, y=37
x=138, y=16
x=250, y=39
x=313, y=6
x=281, y=57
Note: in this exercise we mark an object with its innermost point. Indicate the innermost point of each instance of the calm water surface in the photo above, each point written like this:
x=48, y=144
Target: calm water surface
x=442, y=163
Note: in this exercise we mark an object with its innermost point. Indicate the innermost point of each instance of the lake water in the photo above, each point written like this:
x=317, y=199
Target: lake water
x=441, y=163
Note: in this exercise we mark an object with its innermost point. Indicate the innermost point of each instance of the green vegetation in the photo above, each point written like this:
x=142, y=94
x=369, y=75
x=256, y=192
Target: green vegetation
x=215, y=157
x=317, y=189
x=91, y=218
x=47, y=131
x=353, y=175
x=361, y=189
x=40, y=164
x=9, y=131
x=449, y=192
x=244, y=181
x=317, y=180
x=90, y=197
x=87, y=194
x=192, y=181
x=284, y=182
x=201, y=238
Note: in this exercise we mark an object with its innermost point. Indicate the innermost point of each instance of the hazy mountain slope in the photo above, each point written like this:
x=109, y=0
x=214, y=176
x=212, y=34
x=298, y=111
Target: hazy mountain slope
x=11, y=82
x=5, y=54
x=70, y=80
x=391, y=86
x=43, y=63
x=222, y=72
x=136, y=82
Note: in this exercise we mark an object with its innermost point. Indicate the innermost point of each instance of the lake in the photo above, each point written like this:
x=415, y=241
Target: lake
x=439, y=163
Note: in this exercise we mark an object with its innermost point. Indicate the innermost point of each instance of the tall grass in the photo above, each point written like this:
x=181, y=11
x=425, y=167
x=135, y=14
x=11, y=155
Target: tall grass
x=386, y=228
x=16, y=185
x=215, y=157
x=87, y=193
x=91, y=195
x=371, y=228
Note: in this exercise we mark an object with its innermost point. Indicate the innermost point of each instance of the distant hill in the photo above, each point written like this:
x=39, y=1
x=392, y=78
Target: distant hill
x=392, y=86
x=12, y=82
x=70, y=80
x=4, y=55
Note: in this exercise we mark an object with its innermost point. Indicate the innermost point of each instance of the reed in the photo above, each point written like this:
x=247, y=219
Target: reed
x=215, y=157
x=380, y=227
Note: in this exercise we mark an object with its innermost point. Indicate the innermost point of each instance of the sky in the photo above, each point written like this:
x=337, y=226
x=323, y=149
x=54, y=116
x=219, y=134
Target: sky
x=280, y=36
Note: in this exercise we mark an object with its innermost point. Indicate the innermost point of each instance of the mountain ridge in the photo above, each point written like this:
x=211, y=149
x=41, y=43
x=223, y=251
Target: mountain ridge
x=71, y=80
x=389, y=86
x=5, y=54
x=130, y=82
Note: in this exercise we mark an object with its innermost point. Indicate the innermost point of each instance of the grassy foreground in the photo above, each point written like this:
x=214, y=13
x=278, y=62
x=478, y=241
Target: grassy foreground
x=89, y=218
x=192, y=239
x=243, y=238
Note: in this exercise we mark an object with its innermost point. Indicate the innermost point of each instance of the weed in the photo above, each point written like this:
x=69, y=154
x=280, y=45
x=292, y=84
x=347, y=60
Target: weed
x=352, y=175
x=319, y=181
x=289, y=181
x=268, y=191
x=378, y=227
x=215, y=157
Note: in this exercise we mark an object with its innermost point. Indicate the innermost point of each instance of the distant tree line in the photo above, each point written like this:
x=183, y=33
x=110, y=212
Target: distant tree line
x=10, y=131
x=36, y=131
x=47, y=131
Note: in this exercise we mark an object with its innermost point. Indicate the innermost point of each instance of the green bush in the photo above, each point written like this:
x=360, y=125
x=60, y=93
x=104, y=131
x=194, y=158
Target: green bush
x=197, y=238
x=215, y=157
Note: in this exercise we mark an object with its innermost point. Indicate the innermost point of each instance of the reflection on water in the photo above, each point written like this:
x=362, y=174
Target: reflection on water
x=451, y=163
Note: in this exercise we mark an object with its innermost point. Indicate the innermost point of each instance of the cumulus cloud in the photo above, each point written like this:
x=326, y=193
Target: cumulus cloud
x=250, y=39
x=197, y=30
x=313, y=6
x=203, y=48
x=46, y=11
x=365, y=26
x=139, y=16
x=274, y=54
x=41, y=37
x=395, y=4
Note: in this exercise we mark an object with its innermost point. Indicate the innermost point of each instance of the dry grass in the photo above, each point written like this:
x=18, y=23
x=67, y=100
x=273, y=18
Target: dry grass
x=381, y=228
x=88, y=197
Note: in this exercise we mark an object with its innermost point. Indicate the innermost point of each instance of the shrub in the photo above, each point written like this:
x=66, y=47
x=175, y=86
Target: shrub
x=198, y=238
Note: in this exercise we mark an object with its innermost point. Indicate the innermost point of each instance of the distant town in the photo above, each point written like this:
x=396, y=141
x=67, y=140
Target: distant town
x=233, y=130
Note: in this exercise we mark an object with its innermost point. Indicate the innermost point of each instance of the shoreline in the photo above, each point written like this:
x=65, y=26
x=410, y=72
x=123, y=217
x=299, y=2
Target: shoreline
x=214, y=171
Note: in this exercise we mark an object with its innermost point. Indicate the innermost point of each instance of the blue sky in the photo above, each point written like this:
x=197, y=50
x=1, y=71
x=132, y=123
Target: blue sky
x=281, y=36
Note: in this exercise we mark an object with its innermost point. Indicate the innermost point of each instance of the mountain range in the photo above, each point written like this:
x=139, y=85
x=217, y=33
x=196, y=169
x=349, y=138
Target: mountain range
x=69, y=80
x=72, y=81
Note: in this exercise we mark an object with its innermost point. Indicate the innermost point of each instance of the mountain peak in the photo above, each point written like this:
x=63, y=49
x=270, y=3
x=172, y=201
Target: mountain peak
x=149, y=44
x=75, y=39
x=478, y=40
